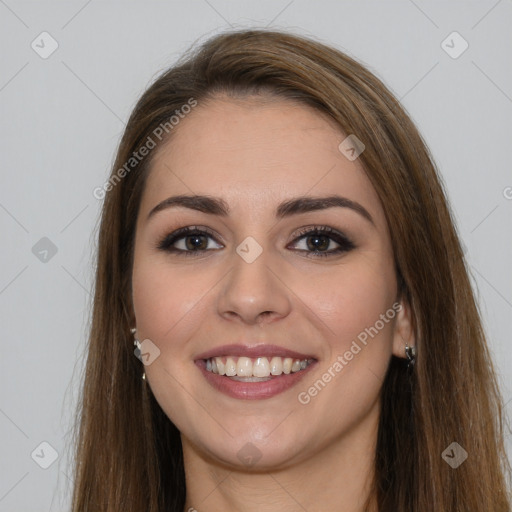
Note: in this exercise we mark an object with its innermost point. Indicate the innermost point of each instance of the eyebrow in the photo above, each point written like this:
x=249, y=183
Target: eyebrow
x=217, y=206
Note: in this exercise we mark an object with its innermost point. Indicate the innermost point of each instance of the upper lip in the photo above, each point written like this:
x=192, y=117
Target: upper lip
x=264, y=350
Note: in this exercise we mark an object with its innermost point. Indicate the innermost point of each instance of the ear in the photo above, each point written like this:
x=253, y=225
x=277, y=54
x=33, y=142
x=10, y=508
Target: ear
x=403, y=330
x=129, y=312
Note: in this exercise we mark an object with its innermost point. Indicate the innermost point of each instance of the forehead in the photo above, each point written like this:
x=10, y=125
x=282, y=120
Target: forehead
x=255, y=152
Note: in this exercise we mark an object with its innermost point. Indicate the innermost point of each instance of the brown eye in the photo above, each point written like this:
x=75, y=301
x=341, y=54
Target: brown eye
x=317, y=242
x=320, y=238
x=187, y=241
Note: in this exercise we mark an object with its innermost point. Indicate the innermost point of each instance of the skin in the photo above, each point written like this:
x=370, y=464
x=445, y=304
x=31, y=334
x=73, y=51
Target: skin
x=255, y=153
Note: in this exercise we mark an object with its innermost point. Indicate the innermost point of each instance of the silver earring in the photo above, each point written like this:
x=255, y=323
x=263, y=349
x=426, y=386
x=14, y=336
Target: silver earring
x=410, y=353
x=136, y=342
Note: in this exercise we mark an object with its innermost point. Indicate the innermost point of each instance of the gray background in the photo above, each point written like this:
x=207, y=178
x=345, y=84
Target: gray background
x=61, y=120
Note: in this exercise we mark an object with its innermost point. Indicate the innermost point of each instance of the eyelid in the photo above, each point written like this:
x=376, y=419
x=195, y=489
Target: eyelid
x=318, y=227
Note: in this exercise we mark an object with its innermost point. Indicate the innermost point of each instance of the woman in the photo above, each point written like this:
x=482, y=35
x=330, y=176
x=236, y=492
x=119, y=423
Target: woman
x=282, y=318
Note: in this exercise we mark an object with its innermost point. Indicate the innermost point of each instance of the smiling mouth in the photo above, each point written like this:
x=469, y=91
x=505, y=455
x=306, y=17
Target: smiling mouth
x=257, y=369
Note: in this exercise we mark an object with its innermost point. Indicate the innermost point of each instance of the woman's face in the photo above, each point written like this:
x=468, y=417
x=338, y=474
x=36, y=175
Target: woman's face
x=249, y=288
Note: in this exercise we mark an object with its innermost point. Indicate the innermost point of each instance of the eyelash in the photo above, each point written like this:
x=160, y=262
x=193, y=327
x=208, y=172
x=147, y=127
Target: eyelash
x=345, y=244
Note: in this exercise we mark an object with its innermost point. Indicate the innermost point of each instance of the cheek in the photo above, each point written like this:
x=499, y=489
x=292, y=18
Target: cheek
x=350, y=299
x=150, y=305
x=359, y=314
x=162, y=298
x=159, y=301
x=166, y=305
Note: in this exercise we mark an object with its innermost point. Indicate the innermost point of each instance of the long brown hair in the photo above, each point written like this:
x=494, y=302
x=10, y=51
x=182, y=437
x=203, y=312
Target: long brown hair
x=128, y=453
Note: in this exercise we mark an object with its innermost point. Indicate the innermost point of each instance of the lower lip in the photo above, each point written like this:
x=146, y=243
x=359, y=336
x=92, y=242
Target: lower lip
x=252, y=390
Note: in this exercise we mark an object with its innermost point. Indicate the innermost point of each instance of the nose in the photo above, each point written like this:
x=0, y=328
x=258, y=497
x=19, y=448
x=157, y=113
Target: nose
x=253, y=293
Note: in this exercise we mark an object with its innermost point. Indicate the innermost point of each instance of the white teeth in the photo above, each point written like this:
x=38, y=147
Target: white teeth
x=287, y=365
x=276, y=366
x=255, y=370
x=244, y=367
x=230, y=367
x=261, y=368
